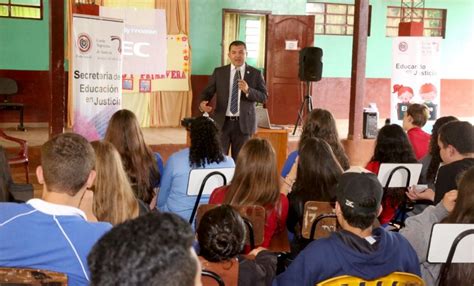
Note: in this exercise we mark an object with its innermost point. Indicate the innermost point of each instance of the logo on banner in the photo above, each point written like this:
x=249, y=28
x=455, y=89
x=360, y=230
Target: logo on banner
x=403, y=46
x=84, y=43
x=117, y=38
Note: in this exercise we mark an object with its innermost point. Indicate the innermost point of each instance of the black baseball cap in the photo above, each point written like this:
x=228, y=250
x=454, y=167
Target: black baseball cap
x=355, y=189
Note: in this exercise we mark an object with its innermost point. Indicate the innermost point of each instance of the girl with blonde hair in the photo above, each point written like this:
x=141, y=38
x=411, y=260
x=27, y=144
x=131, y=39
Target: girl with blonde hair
x=113, y=200
x=256, y=182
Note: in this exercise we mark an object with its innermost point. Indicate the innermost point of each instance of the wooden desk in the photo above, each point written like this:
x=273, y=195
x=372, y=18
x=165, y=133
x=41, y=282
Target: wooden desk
x=279, y=140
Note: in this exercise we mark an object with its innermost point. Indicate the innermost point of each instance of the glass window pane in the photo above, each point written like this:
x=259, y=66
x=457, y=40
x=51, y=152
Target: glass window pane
x=337, y=30
x=432, y=33
x=392, y=32
x=334, y=8
x=432, y=13
x=252, y=24
x=350, y=30
x=252, y=38
x=315, y=7
x=3, y=1
x=319, y=18
x=335, y=19
x=433, y=23
x=3, y=11
x=417, y=13
x=350, y=20
x=24, y=12
x=319, y=29
x=393, y=22
x=392, y=11
x=26, y=2
x=350, y=9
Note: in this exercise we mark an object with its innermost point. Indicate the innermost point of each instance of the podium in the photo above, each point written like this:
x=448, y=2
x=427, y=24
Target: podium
x=279, y=140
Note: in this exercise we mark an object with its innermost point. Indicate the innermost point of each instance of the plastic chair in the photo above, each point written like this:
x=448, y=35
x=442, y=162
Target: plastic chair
x=319, y=220
x=27, y=276
x=22, y=156
x=8, y=88
x=393, y=279
x=224, y=273
x=214, y=276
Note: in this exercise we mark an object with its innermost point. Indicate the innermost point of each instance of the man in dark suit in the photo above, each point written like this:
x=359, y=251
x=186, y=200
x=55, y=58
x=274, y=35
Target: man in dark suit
x=238, y=87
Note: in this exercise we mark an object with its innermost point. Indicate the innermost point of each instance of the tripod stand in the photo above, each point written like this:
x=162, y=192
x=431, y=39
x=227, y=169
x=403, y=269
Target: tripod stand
x=308, y=102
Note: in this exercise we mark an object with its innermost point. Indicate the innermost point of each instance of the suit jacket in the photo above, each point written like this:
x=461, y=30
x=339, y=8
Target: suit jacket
x=219, y=84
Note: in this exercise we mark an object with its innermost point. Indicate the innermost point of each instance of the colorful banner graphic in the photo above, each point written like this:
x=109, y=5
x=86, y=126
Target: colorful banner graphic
x=177, y=71
x=144, y=45
x=415, y=75
x=97, y=70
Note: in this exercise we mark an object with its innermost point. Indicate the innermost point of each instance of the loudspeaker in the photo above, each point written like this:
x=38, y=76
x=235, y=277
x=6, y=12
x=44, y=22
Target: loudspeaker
x=311, y=66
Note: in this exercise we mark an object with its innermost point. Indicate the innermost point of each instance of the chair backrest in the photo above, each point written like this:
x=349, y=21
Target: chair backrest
x=26, y=276
x=8, y=86
x=319, y=219
x=451, y=243
x=395, y=278
x=254, y=214
x=226, y=271
x=396, y=175
x=204, y=181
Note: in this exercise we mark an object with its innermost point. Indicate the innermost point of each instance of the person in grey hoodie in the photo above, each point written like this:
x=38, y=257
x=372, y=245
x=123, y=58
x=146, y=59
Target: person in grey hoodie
x=457, y=206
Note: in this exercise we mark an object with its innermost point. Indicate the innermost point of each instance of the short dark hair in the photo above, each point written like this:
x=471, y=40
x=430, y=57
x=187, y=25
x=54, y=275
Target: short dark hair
x=419, y=112
x=67, y=160
x=459, y=134
x=238, y=43
x=360, y=219
x=154, y=249
x=221, y=234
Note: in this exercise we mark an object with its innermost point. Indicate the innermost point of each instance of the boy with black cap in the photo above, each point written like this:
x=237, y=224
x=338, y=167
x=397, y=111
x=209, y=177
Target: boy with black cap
x=357, y=249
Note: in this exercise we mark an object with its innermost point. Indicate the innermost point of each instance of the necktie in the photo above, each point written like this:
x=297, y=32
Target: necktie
x=234, y=99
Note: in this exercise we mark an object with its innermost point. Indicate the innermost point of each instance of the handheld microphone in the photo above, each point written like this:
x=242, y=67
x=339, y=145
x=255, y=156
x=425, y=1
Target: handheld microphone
x=238, y=74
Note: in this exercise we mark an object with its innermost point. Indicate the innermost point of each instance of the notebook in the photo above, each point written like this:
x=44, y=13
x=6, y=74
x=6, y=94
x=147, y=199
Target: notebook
x=263, y=120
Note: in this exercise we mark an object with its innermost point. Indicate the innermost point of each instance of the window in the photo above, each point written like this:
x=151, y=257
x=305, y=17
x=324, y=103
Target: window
x=434, y=20
x=252, y=37
x=26, y=9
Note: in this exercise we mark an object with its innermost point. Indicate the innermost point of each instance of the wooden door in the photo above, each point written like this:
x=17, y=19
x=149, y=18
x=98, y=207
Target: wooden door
x=284, y=87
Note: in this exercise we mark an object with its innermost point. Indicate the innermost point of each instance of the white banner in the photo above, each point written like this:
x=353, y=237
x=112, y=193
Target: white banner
x=144, y=44
x=415, y=75
x=97, y=73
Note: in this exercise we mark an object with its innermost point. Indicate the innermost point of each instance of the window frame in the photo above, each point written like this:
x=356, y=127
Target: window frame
x=346, y=14
x=10, y=5
x=442, y=20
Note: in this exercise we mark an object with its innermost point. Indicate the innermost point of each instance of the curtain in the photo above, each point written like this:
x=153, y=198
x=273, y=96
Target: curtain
x=261, y=44
x=231, y=32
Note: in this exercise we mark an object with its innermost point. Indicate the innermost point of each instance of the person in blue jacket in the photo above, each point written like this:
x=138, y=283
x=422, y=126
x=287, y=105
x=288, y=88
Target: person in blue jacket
x=357, y=249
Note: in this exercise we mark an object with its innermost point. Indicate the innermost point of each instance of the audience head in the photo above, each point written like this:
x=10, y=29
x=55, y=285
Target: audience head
x=463, y=212
x=434, y=148
x=205, y=143
x=154, y=249
x=138, y=160
x=67, y=162
x=358, y=199
x=221, y=234
x=256, y=180
x=456, y=139
x=392, y=146
x=416, y=115
x=318, y=171
x=114, y=200
x=321, y=124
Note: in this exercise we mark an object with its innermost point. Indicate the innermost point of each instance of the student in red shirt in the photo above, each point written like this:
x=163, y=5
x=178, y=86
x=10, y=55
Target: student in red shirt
x=413, y=120
x=256, y=182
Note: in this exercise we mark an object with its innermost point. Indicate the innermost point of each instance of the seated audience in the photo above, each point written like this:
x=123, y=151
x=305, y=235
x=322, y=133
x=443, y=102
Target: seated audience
x=456, y=145
x=113, y=199
x=357, y=249
x=320, y=124
x=391, y=146
x=255, y=182
x=317, y=174
x=221, y=234
x=143, y=167
x=153, y=249
x=205, y=152
x=51, y=233
x=457, y=206
x=414, y=119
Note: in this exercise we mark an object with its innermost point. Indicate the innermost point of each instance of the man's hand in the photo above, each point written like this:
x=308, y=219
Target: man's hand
x=203, y=107
x=427, y=194
x=449, y=200
x=243, y=86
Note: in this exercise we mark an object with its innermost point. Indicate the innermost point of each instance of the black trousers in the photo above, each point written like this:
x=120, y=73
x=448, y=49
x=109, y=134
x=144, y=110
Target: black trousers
x=232, y=137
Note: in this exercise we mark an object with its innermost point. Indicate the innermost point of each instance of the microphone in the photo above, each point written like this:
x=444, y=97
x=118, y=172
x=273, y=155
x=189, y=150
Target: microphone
x=238, y=74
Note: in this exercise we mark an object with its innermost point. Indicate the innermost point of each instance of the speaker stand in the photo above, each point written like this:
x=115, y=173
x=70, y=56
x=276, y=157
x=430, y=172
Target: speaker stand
x=308, y=103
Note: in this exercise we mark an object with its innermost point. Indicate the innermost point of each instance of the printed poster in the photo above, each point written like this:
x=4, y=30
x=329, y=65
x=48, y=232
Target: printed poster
x=415, y=75
x=97, y=73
